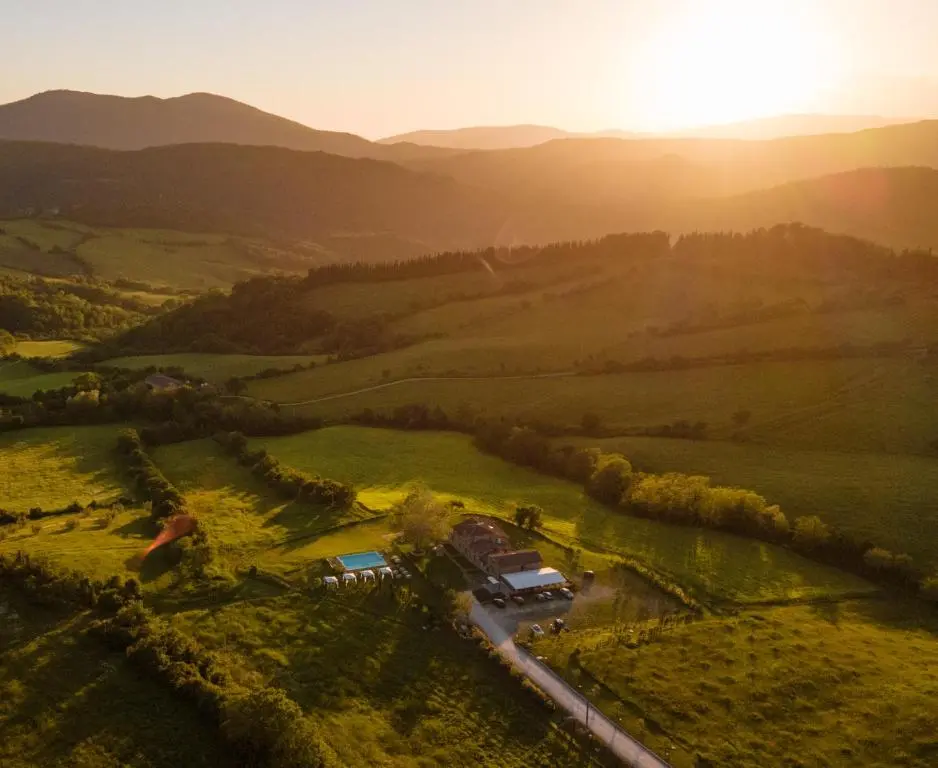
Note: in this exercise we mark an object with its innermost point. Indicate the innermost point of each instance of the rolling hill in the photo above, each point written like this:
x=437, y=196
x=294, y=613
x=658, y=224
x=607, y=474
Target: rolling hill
x=613, y=171
x=116, y=122
x=247, y=191
x=518, y=136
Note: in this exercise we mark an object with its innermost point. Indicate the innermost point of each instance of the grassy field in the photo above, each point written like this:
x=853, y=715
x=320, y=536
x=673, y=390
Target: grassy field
x=60, y=348
x=891, y=499
x=154, y=256
x=853, y=405
x=212, y=367
x=382, y=464
x=385, y=690
x=50, y=467
x=66, y=701
x=21, y=379
x=847, y=684
x=97, y=548
x=241, y=514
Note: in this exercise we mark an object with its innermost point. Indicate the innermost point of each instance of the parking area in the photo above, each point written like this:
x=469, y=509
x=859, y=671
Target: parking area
x=513, y=617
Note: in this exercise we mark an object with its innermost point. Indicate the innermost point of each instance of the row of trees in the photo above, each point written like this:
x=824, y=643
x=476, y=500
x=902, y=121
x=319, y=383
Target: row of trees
x=110, y=396
x=673, y=497
x=44, y=584
x=691, y=500
x=262, y=726
x=165, y=498
x=288, y=482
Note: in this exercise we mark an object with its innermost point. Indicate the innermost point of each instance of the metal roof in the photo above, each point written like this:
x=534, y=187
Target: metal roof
x=542, y=577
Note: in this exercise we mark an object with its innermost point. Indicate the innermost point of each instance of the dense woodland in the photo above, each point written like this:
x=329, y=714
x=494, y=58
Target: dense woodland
x=41, y=309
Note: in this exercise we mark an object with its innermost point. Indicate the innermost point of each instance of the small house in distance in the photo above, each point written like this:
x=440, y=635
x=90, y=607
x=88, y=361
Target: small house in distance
x=160, y=382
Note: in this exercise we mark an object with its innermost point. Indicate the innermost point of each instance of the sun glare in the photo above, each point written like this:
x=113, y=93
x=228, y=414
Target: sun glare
x=727, y=60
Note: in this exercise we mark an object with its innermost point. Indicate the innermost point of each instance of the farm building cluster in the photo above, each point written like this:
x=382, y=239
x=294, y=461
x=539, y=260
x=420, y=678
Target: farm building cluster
x=510, y=571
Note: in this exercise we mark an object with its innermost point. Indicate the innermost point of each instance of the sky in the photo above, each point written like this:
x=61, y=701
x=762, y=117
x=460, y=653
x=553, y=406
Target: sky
x=380, y=67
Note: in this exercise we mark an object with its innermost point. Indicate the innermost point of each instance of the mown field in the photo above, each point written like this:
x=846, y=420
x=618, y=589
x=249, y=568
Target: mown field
x=20, y=379
x=891, y=499
x=61, y=348
x=215, y=368
x=65, y=700
x=383, y=464
x=50, y=467
x=385, y=690
x=844, y=684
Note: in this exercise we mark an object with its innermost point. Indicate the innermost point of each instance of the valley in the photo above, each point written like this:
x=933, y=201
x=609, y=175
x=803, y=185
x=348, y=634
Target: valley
x=690, y=377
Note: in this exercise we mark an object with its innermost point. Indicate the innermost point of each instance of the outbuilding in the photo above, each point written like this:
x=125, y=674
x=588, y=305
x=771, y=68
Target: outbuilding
x=533, y=581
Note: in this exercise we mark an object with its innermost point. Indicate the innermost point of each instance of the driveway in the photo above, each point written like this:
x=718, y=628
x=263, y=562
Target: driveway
x=624, y=746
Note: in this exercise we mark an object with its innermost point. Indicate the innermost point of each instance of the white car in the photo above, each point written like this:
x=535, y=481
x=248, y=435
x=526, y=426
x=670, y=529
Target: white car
x=548, y=595
x=536, y=630
x=566, y=593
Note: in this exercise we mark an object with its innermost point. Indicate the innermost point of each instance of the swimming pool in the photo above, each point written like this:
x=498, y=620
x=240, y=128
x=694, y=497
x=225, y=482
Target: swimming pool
x=361, y=560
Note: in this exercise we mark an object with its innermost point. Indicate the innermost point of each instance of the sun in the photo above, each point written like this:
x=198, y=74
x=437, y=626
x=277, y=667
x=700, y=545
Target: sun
x=726, y=60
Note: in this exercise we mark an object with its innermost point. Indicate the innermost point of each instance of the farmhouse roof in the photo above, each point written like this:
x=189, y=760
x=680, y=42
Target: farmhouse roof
x=162, y=381
x=477, y=528
x=542, y=577
x=524, y=558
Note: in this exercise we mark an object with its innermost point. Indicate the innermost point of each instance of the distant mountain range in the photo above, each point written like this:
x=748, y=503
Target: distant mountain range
x=374, y=201
x=116, y=122
x=520, y=136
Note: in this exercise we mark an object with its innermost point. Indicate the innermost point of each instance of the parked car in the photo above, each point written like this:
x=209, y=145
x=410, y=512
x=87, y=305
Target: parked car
x=566, y=593
x=396, y=559
x=536, y=630
x=518, y=599
x=498, y=602
x=540, y=597
x=548, y=595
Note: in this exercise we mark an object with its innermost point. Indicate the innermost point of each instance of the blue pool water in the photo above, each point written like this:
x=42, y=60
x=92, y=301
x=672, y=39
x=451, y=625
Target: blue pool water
x=361, y=560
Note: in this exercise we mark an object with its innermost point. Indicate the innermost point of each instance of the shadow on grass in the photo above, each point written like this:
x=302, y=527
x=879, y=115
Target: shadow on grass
x=89, y=702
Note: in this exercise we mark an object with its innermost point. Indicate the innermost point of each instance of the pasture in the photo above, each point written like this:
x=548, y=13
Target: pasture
x=241, y=515
x=50, y=467
x=66, y=700
x=20, y=379
x=385, y=689
x=383, y=464
x=851, y=405
x=215, y=368
x=58, y=348
x=98, y=547
x=154, y=256
x=801, y=683
x=892, y=499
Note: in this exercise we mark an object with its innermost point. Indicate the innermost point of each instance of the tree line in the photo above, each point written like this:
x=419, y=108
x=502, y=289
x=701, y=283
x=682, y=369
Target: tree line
x=672, y=497
x=289, y=483
x=164, y=497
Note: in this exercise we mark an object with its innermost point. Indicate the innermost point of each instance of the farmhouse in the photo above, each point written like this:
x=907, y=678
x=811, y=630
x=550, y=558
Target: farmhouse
x=160, y=382
x=477, y=540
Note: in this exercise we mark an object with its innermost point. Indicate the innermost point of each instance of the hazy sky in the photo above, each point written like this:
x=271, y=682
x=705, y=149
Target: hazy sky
x=376, y=67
